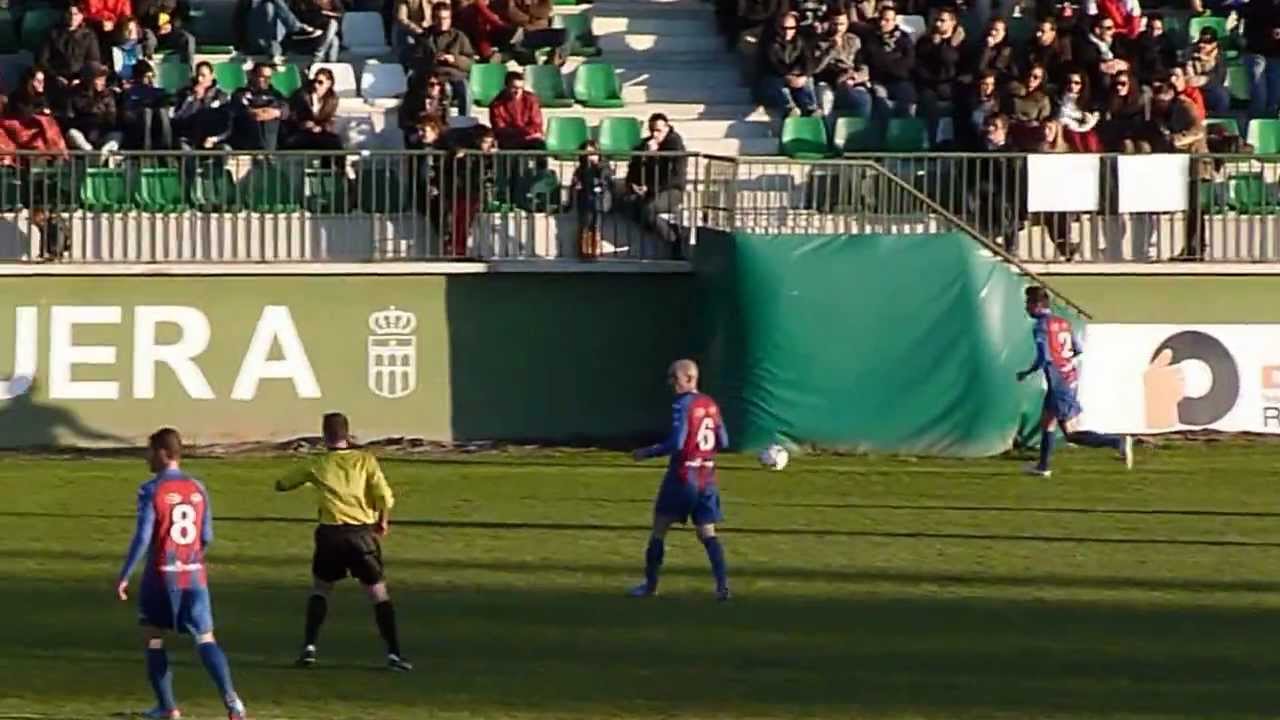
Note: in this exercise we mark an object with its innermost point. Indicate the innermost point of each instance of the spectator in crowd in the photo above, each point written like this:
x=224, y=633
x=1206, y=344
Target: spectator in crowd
x=270, y=22
x=980, y=102
x=326, y=16
x=1177, y=79
x=991, y=186
x=148, y=12
x=312, y=109
x=1126, y=116
x=811, y=13
x=487, y=31
x=1097, y=54
x=755, y=22
x=1207, y=71
x=995, y=53
x=424, y=133
x=843, y=80
x=105, y=15
x=1156, y=52
x=937, y=67
x=1182, y=130
x=656, y=184
x=94, y=122
x=516, y=116
x=1029, y=107
x=411, y=20
x=446, y=51
x=28, y=119
x=890, y=59
x=472, y=180
x=1125, y=15
x=1076, y=115
x=592, y=197
x=133, y=43
x=202, y=112
x=532, y=22
x=785, y=81
x=144, y=112
x=1262, y=56
x=428, y=94
x=1048, y=50
x=257, y=111
x=65, y=53
x=170, y=38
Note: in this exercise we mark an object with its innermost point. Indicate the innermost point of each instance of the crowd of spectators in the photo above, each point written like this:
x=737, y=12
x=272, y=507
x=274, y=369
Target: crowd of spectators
x=1099, y=76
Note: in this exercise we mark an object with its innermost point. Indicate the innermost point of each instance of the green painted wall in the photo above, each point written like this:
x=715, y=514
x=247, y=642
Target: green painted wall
x=546, y=356
x=1174, y=299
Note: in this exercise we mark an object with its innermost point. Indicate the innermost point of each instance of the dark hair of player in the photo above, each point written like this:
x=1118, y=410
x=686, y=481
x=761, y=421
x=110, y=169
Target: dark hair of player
x=1038, y=295
x=336, y=428
x=168, y=441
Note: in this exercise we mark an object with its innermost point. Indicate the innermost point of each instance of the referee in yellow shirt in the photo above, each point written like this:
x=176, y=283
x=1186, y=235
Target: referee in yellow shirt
x=355, y=510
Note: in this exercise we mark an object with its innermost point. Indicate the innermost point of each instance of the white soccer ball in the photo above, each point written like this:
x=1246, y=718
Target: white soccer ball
x=775, y=457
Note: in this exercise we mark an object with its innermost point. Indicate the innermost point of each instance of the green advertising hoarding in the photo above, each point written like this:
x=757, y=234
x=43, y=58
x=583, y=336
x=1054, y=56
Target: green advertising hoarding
x=105, y=360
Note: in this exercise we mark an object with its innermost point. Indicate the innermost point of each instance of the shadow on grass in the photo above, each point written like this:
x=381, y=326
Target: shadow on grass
x=580, y=654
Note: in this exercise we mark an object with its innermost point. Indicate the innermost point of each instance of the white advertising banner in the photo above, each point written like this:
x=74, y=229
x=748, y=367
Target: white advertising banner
x=1142, y=379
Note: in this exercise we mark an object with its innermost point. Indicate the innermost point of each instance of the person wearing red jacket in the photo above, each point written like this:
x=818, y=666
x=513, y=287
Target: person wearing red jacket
x=1126, y=14
x=106, y=14
x=487, y=31
x=516, y=116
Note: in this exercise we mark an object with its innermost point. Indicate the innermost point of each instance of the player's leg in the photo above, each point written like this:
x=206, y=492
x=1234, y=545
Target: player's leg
x=365, y=565
x=160, y=677
x=1122, y=444
x=654, y=554
x=706, y=513
x=1048, y=428
x=196, y=617
x=327, y=568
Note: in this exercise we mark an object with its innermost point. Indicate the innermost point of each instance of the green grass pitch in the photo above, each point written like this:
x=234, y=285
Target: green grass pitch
x=865, y=588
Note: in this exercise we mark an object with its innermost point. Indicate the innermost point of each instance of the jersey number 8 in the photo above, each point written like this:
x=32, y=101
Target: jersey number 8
x=182, y=524
x=707, y=435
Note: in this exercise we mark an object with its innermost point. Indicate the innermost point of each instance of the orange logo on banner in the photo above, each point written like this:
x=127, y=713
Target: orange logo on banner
x=1271, y=377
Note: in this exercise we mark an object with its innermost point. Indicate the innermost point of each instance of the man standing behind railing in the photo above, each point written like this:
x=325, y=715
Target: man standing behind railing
x=655, y=184
x=1183, y=130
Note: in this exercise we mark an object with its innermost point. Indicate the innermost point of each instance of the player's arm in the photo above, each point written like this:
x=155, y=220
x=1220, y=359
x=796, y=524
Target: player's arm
x=679, y=427
x=380, y=495
x=1042, y=354
x=138, y=545
x=206, y=525
x=722, y=435
x=295, y=479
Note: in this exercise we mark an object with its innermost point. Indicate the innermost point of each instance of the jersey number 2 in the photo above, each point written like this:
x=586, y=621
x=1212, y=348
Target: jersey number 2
x=707, y=435
x=182, y=524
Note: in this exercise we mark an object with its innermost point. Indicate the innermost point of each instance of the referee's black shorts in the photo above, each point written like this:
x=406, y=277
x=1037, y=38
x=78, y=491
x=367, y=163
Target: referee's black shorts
x=343, y=550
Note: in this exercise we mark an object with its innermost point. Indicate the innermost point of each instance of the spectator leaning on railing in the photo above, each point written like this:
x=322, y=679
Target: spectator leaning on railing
x=201, y=116
x=257, y=111
x=1182, y=129
x=655, y=184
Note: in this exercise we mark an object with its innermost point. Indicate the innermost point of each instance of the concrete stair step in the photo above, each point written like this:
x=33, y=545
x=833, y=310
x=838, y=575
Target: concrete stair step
x=734, y=146
x=637, y=94
x=651, y=77
x=677, y=112
x=659, y=44
x=623, y=25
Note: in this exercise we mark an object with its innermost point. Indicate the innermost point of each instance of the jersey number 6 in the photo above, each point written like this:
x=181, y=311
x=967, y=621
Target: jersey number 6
x=182, y=524
x=707, y=435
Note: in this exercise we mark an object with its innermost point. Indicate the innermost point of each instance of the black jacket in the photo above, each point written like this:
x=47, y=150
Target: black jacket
x=787, y=57
x=891, y=58
x=937, y=65
x=659, y=173
x=1261, y=18
x=65, y=52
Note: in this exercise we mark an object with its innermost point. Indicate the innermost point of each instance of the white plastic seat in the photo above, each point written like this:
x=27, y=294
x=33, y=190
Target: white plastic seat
x=364, y=35
x=383, y=83
x=914, y=25
x=344, y=78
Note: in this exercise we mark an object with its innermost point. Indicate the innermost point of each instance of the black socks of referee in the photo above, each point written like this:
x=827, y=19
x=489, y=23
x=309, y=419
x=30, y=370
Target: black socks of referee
x=317, y=608
x=385, y=614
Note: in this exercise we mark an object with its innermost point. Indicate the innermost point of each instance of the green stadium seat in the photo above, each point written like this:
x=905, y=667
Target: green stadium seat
x=173, y=76
x=230, y=75
x=10, y=189
x=487, y=80
x=273, y=187
x=327, y=191
x=582, y=42
x=1213, y=197
x=1196, y=24
x=856, y=134
x=905, y=135
x=1264, y=136
x=287, y=79
x=805, y=138
x=565, y=135
x=10, y=42
x=380, y=189
x=619, y=136
x=1238, y=82
x=36, y=25
x=215, y=49
x=1251, y=194
x=565, y=2
x=548, y=84
x=596, y=86
x=159, y=189
x=104, y=189
x=1228, y=124
x=213, y=189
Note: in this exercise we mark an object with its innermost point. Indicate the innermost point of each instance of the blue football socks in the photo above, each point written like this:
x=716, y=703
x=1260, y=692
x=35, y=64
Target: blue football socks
x=1046, y=449
x=715, y=553
x=1088, y=438
x=653, y=562
x=215, y=662
x=161, y=677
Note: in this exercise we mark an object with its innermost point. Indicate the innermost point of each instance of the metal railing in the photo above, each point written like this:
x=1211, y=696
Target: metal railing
x=383, y=205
